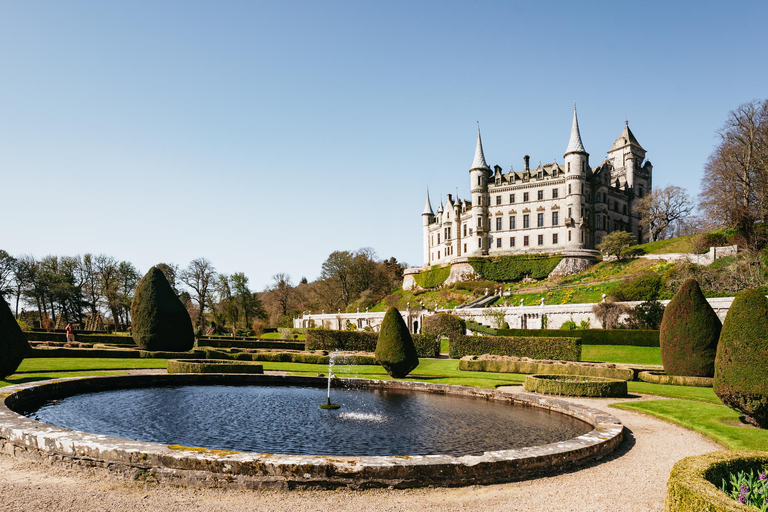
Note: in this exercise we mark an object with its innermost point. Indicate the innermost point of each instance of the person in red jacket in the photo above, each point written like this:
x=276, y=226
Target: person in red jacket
x=70, y=333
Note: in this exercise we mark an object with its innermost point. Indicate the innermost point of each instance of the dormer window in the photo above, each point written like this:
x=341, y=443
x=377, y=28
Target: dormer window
x=498, y=181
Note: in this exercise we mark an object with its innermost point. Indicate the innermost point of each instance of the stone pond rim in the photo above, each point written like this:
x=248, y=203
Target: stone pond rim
x=196, y=467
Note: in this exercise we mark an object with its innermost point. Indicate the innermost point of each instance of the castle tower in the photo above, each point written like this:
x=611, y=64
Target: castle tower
x=626, y=156
x=479, y=174
x=576, y=169
x=427, y=217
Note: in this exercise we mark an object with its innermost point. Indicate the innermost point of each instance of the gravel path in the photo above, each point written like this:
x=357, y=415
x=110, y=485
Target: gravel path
x=633, y=479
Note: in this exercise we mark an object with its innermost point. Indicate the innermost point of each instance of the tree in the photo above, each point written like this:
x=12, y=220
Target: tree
x=129, y=277
x=735, y=183
x=337, y=270
x=282, y=288
x=160, y=320
x=89, y=276
x=661, y=209
x=171, y=271
x=616, y=244
x=109, y=284
x=395, y=350
x=200, y=276
x=13, y=343
x=608, y=313
x=248, y=303
x=7, y=267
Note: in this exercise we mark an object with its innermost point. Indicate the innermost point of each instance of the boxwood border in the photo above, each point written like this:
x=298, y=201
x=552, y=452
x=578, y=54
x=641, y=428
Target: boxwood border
x=212, y=366
x=596, y=387
x=659, y=377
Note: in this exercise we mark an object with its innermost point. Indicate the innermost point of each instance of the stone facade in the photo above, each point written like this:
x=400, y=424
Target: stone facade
x=553, y=208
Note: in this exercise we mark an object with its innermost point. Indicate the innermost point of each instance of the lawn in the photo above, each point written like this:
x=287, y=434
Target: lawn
x=716, y=421
x=69, y=364
x=620, y=354
x=670, y=245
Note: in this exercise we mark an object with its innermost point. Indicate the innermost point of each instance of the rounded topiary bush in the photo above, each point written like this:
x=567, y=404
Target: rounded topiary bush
x=443, y=325
x=689, y=332
x=159, y=321
x=741, y=366
x=13, y=343
x=394, y=349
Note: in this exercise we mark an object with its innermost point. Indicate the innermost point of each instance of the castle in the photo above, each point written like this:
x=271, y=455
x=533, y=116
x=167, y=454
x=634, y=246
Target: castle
x=551, y=209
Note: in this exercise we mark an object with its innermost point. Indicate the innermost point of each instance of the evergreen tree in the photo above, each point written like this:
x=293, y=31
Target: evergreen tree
x=159, y=321
x=395, y=350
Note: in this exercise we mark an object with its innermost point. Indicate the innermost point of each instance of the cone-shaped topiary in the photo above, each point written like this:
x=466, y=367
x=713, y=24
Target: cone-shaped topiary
x=741, y=367
x=13, y=343
x=394, y=349
x=689, y=332
x=159, y=321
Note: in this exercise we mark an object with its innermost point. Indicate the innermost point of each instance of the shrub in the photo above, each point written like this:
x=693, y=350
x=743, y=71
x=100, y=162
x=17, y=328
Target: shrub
x=159, y=321
x=741, y=365
x=13, y=343
x=515, y=268
x=443, y=325
x=504, y=365
x=635, y=338
x=432, y=278
x=689, y=333
x=643, y=287
x=212, y=366
x=608, y=313
x=567, y=349
x=616, y=244
x=575, y=385
x=394, y=349
x=647, y=315
x=363, y=341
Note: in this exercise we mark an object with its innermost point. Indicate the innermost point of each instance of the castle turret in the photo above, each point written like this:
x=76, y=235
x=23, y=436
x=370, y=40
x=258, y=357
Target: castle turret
x=427, y=217
x=576, y=168
x=479, y=174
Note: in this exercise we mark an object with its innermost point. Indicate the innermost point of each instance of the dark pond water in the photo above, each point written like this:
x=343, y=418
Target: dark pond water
x=288, y=420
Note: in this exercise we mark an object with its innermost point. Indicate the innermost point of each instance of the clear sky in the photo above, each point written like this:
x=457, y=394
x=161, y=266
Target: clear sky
x=265, y=135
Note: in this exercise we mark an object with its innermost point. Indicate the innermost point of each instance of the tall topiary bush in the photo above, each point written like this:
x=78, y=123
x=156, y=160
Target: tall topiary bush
x=159, y=321
x=443, y=324
x=13, y=343
x=689, y=332
x=394, y=349
x=741, y=366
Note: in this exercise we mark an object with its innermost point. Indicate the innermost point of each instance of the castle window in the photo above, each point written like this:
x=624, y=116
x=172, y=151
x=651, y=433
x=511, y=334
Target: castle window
x=541, y=239
x=599, y=222
x=569, y=236
x=479, y=180
x=526, y=221
x=498, y=243
x=540, y=195
x=583, y=167
x=555, y=218
x=448, y=236
x=512, y=222
x=498, y=224
x=498, y=200
x=525, y=241
x=554, y=239
x=465, y=229
x=525, y=197
x=624, y=209
x=438, y=254
x=569, y=166
x=498, y=181
x=582, y=237
x=582, y=189
x=569, y=189
x=438, y=240
x=640, y=193
x=511, y=198
x=511, y=241
x=599, y=239
x=554, y=193
x=480, y=223
x=540, y=220
x=569, y=213
x=465, y=247
x=597, y=197
x=479, y=243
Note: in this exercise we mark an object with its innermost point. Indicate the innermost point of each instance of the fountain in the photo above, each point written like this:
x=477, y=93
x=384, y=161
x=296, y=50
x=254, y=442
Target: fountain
x=328, y=404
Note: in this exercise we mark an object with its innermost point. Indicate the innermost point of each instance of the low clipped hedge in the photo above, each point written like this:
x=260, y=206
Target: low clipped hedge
x=566, y=349
x=84, y=338
x=250, y=343
x=289, y=357
x=472, y=363
x=432, y=278
x=657, y=377
x=212, y=366
x=630, y=337
x=109, y=353
x=576, y=385
x=363, y=341
x=695, y=482
x=515, y=268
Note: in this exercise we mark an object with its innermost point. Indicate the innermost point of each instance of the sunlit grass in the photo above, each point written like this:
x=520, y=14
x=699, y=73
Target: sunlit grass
x=620, y=354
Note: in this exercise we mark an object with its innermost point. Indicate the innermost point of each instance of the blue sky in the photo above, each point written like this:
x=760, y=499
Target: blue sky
x=264, y=136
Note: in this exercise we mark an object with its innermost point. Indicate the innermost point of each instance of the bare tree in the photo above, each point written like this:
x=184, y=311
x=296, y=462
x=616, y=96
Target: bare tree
x=660, y=209
x=282, y=287
x=200, y=277
x=735, y=183
x=7, y=266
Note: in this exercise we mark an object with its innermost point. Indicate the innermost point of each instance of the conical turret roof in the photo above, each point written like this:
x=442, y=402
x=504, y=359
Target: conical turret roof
x=627, y=138
x=479, y=161
x=428, y=207
x=574, y=144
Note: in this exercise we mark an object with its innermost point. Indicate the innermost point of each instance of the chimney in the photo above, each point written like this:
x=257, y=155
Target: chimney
x=527, y=162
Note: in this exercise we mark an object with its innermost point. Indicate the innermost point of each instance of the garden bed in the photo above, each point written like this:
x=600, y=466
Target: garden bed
x=576, y=385
x=657, y=377
x=212, y=366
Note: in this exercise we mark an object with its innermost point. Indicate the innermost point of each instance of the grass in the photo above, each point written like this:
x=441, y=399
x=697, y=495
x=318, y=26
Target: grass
x=684, y=392
x=71, y=364
x=715, y=421
x=33, y=377
x=671, y=245
x=621, y=354
x=279, y=337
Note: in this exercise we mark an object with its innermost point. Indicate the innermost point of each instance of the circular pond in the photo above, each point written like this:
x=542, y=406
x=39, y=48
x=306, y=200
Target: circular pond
x=288, y=420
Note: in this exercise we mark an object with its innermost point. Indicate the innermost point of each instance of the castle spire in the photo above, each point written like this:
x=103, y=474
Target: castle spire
x=479, y=161
x=574, y=144
x=428, y=206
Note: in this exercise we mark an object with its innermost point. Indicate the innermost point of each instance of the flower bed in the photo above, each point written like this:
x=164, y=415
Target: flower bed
x=657, y=377
x=576, y=385
x=696, y=483
x=212, y=366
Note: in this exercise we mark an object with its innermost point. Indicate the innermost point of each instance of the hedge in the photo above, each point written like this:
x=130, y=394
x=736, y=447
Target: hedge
x=482, y=329
x=108, y=353
x=289, y=357
x=363, y=341
x=212, y=366
x=567, y=349
x=575, y=385
x=631, y=337
x=515, y=268
x=242, y=343
x=83, y=338
x=472, y=363
x=432, y=278
x=656, y=377
x=695, y=482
